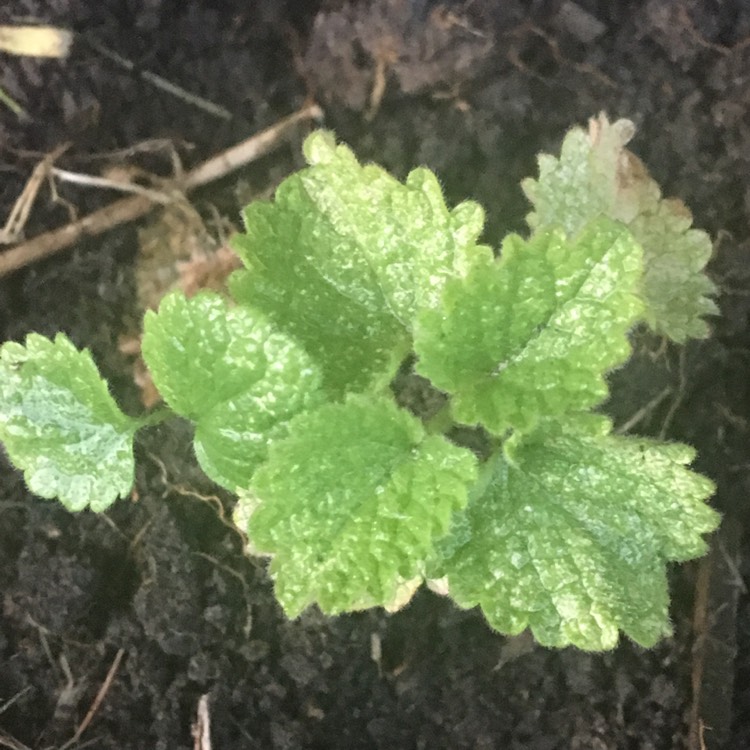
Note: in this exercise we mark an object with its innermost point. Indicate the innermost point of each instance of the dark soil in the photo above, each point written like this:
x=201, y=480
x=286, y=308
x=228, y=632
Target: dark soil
x=473, y=90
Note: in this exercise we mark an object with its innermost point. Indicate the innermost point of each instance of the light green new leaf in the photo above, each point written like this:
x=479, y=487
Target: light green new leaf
x=61, y=426
x=572, y=534
x=596, y=175
x=230, y=372
x=532, y=334
x=350, y=504
x=346, y=255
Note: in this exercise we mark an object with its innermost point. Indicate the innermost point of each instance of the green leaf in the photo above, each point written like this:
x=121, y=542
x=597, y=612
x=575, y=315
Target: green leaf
x=227, y=369
x=596, y=175
x=61, y=426
x=572, y=535
x=350, y=504
x=346, y=255
x=532, y=334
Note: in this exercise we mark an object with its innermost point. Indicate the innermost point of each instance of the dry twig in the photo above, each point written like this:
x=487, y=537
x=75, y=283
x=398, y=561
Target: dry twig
x=128, y=209
x=714, y=627
x=108, y=184
x=5, y=706
x=201, y=729
x=11, y=742
x=103, y=690
x=160, y=82
x=19, y=214
x=35, y=41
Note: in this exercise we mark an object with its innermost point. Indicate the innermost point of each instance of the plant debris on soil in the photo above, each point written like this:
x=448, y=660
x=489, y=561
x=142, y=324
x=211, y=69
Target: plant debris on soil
x=113, y=627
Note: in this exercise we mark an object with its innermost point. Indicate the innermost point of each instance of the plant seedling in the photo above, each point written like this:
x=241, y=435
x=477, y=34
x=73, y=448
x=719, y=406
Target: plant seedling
x=554, y=523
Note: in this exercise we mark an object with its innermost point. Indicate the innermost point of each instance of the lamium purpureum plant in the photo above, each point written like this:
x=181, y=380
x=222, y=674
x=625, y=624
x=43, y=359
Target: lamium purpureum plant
x=554, y=523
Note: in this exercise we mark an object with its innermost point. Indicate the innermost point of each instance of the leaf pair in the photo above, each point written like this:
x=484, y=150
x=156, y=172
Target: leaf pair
x=570, y=529
x=224, y=368
x=346, y=256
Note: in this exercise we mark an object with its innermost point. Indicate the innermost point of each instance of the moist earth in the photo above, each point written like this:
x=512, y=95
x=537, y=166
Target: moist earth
x=159, y=585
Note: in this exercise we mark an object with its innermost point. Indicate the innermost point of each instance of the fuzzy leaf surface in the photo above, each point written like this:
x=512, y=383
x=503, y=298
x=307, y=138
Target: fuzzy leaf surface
x=351, y=503
x=532, y=334
x=61, y=426
x=230, y=372
x=345, y=256
x=596, y=175
x=572, y=535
